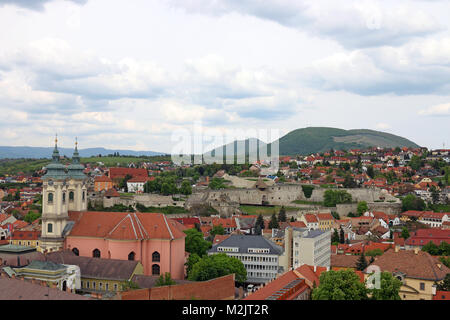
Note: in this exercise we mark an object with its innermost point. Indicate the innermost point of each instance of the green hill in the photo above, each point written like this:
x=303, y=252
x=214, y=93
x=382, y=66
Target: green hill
x=319, y=139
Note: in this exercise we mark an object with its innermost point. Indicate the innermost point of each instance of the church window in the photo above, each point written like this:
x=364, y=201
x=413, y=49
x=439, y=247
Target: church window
x=64, y=197
x=84, y=195
x=131, y=256
x=50, y=198
x=155, y=270
x=50, y=227
x=71, y=196
x=96, y=253
x=156, y=256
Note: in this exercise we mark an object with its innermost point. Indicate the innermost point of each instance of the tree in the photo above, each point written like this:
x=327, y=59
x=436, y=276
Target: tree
x=335, y=237
x=431, y=248
x=217, y=230
x=273, y=224
x=17, y=195
x=374, y=253
x=129, y=285
x=415, y=163
x=411, y=202
x=341, y=236
x=307, y=190
x=370, y=172
x=362, y=208
x=292, y=219
x=193, y=259
x=186, y=188
x=361, y=264
x=194, y=242
x=31, y=216
x=260, y=222
x=333, y=197
x=340, y=285
x=444, y=285
x=217, y=265
x=389, y=288
x=282, y=215
x=434, y=194
x=349, y=182
x=123, y=182
x=405, y=233
x=165, y=280
x=217, y=183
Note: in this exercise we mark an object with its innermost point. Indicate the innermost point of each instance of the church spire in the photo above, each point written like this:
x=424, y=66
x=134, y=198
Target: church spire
x=55, y=155
x=76, y=155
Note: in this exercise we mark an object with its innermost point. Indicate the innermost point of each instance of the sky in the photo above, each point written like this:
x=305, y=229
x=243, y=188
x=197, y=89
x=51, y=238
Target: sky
x=127, y=74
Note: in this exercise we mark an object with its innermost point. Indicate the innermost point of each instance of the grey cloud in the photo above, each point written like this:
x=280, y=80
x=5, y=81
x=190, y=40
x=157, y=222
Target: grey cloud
x=37, y=5
x=352, y=25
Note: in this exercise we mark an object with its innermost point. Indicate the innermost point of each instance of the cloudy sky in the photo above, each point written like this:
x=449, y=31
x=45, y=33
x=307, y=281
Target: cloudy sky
x=129, y=73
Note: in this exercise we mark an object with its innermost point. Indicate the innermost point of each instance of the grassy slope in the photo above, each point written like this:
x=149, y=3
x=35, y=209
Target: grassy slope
x=320, y=139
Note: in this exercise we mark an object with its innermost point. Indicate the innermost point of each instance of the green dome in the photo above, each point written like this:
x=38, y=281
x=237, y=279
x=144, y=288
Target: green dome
x=75, y=169
x=55, y=170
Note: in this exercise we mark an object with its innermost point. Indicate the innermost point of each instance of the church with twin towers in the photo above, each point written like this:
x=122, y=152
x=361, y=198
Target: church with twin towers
x=63, y=190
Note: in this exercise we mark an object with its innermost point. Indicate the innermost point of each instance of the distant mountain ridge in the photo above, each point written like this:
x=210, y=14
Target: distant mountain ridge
x=310, y=140
x=46, y=152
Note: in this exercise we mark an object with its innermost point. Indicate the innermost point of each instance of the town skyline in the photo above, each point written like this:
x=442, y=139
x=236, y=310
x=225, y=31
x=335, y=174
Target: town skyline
x=286, y=65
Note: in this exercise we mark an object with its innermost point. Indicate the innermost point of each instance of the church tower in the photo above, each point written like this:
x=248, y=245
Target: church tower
x=54, y=204
x=77, y=188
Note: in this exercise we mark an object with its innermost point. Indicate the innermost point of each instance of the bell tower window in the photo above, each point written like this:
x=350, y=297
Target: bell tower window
x=50, y=227
x=50, y=198
x=64, y=197
x=71, y=196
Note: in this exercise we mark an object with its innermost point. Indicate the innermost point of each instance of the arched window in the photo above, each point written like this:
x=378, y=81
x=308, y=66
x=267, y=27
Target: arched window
x=64, y=198
x=155, y=270
x=75, y=251
x=156, y=257
x=50, y=227
x=131, y=256
x=64, y=286
x=50, y=198
x=96, y=253
x=84, y=195
x=71, y=196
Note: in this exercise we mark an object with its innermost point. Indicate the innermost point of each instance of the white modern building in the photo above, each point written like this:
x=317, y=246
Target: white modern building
x=261, y=257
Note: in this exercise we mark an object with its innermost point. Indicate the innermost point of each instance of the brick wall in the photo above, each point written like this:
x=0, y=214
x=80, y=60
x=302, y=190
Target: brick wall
x=216, y=289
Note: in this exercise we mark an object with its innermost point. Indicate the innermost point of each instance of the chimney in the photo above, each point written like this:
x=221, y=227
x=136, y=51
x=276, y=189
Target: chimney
x=416, y=250
x=315, y=268
x=397, y=248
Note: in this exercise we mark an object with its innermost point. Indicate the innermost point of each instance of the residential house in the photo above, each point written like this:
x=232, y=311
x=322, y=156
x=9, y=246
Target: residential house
x=417, y=270
x=99, y=275
x=421, y=237
x=102, y=183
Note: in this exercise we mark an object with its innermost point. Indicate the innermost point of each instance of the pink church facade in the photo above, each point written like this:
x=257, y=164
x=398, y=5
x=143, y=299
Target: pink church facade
x=157, y=242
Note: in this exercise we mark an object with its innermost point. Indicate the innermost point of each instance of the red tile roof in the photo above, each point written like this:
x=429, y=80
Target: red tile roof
x=102, y=179
x=420, y=265
x=324, y=216
x=25, y=235
x=116, y=173
x=279, y=284
x=297, y=224
x=423, y=236
x=215, y=289
x=310, y=218
x=124, y=225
